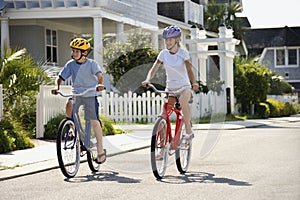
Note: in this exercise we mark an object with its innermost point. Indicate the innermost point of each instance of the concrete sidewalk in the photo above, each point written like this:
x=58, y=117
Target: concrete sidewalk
x=43, y=156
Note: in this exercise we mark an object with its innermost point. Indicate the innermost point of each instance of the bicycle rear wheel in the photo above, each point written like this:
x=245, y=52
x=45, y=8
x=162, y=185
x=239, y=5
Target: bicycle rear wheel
x=183, y=154
x=68, y=148
x=159, y=148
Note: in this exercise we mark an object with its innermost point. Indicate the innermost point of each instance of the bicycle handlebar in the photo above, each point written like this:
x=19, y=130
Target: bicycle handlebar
x=164, y=91
x=80, y=94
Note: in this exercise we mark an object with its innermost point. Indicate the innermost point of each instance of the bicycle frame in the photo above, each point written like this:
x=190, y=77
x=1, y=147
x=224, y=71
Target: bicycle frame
x=167, y=111
x=78, y=125
x=174, y=138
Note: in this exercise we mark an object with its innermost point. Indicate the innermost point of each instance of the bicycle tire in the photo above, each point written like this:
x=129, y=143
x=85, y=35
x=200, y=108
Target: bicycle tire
x=93, y=165
x=159, y=147
x=183, y=154
x=68, y=148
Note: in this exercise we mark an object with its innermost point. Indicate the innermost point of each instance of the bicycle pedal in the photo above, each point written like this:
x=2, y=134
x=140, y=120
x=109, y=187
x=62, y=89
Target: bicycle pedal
x=184, y=147
x=171, y=152
x=82, y=154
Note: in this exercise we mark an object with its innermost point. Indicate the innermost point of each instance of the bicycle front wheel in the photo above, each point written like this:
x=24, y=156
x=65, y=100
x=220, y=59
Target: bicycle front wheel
x=183, y=154
x=91, y=157
x=68, y=148
x=159, y=148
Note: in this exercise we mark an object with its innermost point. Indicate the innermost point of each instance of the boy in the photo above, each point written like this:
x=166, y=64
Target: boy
x=85, y=74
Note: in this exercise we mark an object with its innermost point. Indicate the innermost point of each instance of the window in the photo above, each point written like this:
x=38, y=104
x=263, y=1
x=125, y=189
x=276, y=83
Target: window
x=287, y=57
x=280, y=57
x=51, y=46
x=292, y=56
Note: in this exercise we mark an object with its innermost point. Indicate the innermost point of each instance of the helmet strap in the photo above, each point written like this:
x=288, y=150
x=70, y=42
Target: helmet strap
x=172, y=47
x=80, y=57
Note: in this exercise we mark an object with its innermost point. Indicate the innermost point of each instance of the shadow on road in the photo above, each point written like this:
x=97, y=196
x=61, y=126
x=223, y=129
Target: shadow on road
x=103, y=176
x=201, y=177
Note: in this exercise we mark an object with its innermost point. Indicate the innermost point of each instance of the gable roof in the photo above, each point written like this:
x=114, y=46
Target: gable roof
x=258, y=39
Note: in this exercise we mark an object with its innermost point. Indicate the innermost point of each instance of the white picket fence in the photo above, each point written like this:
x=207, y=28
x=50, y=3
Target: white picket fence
x=128, y=107
x=284, y=98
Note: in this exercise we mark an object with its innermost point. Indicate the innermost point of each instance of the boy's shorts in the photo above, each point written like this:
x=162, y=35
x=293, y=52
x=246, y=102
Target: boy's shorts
x=90, y=107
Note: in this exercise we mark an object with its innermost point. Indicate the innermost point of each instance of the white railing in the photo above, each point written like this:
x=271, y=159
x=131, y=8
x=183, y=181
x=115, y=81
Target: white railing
x=126, y=108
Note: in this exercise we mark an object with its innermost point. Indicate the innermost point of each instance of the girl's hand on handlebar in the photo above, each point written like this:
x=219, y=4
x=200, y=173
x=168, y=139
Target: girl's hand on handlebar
x=195, y=86
x=100, y=87
x=145, y=83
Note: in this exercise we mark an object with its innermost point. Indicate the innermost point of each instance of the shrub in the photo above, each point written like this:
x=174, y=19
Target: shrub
x=12, y=139
x=296, y=108
x=22, y=141
x=51, y=127
x=262, y=110
x=279, y=108
x=24, y=111
x=6, y=141
x=107, y=126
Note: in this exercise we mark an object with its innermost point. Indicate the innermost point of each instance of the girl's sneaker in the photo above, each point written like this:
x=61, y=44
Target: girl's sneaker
x=187, y=138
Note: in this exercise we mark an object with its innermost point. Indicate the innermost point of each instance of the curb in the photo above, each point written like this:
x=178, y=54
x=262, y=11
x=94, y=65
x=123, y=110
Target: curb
x=46, y=165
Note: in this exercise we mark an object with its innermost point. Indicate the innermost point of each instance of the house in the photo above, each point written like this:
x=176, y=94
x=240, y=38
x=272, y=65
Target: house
x=45, y=27
x=278, y=49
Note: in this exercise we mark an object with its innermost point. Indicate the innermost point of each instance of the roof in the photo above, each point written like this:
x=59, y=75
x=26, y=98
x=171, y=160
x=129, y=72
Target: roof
x=2, y=4
x=258, y=39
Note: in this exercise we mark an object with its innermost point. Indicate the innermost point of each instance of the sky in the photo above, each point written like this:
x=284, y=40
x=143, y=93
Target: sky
x=272, y=13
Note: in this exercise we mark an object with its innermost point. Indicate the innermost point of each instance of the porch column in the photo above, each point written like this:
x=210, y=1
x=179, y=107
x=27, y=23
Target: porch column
x=154, y=39
x=98, y=44
x=203, y=48
x=227, y=48
x=194, y=51
x=120, y=31
x=4, y=35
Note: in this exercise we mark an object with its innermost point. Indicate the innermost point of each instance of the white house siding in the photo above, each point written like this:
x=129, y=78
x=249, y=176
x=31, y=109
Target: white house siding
x=143, y=10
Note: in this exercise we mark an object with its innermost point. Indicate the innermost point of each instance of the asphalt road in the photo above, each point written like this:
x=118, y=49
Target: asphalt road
x=247, y=164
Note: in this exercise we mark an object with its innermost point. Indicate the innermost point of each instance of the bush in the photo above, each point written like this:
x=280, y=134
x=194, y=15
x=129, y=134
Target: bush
x=24, y=111
x=12, y=139
x=280, y=109
x=262, y=110
x=296, y=108
x=6, y=141
x=107, y=126
x=51, y=127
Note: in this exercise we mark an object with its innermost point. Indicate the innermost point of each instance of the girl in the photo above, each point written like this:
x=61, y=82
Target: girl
x=179, y=74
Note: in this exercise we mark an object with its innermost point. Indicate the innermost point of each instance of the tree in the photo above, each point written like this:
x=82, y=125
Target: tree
x=251, y=82
x=120, y=57
x=21, y=77
x=278, y=85
x=217, y=14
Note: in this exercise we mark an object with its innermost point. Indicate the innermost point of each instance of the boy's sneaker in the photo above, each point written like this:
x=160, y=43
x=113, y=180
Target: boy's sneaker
x=187, y=138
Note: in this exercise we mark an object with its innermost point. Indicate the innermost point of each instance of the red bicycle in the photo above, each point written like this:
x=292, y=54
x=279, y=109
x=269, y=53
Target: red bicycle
x=165, y=142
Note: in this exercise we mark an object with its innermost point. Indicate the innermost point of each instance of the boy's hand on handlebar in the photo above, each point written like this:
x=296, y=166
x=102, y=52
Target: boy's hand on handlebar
x=54, y=91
